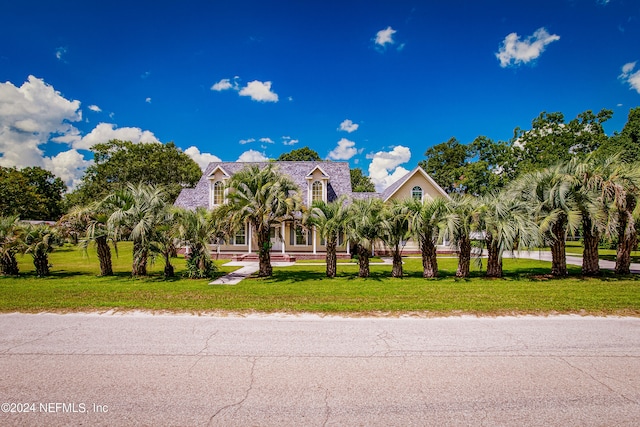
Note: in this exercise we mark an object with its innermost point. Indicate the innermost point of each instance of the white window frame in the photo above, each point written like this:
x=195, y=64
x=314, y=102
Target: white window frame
x=243, y=230
x=413, y=193
x=213, y=193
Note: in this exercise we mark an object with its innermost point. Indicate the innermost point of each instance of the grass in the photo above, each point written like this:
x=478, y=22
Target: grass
x=526, y=289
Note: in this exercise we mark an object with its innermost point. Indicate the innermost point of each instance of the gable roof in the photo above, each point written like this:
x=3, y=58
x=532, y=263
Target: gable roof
x=393, y=188
x=337, y=172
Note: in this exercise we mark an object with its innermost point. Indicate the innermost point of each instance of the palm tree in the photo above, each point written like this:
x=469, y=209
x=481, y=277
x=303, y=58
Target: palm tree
x=92, y=220
x=461, y=221
x=620, y=191
x=363, y=229
x=394, y=231
x=330, y=220
x=11, y=234
x=425, y=220
x=263, y=198
x=197, y=229
x=505, y=221
x=139, y=209
x=39, y=241
x=552, y=202
x=164, y=243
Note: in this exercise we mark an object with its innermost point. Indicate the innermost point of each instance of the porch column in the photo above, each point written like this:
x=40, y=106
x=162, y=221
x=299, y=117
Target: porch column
x=314, y=239
x=249, y=237
x=348, y=248
x=283, y=239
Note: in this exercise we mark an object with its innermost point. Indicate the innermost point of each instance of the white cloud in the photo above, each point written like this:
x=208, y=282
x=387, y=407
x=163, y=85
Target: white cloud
x=628, y=76
x=202, y=159
x=385, y=168
x=148, y=100
x=246, y=141
x=60, y=52
x=266, y=140
x=348, y=126
x=384, y=37
x=287, y=140
x=31, y=115
x=224, y=84
x=513, y=51
x=105, y=132
x=94, y=108
x=252, y=156
x=69, y=166
x=259, y=91
x=344, y=151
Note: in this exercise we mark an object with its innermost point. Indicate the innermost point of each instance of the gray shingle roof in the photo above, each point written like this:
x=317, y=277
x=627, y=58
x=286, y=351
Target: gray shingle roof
x=339, y=180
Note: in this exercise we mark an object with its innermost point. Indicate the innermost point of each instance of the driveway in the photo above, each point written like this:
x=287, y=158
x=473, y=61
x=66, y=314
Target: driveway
x=276, y=370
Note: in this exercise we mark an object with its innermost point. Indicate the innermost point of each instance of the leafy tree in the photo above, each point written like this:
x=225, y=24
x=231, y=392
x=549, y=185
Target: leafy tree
x=445, y=163
x=425, y=220
x=118, y=163
x=394, y=231
x=138, y=211
x=263, y=198
x=304, y=154
x=11, y=234
x=329, y=218
x=361, y=183
x=626, y=142
x=477, y=168
x=196, y=229
x=363, y=228
x=31, y=193
x=550, y=140
x=39, y=241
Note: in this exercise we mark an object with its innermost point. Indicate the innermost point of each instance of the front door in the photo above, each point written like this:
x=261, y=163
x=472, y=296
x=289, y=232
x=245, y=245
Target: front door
x=276, y=239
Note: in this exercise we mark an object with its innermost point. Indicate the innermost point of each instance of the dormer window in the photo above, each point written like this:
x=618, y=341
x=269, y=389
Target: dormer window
x=317, y=192
x=416, y=193
x=218, y=193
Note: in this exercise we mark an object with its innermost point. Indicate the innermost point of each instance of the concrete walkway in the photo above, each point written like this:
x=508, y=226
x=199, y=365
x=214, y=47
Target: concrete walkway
x=248, y=268
x=571, y=259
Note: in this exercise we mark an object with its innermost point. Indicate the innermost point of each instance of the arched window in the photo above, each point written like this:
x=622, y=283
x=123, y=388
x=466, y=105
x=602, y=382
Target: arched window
x=416, y=192
x=218, y=193
x=316, y=191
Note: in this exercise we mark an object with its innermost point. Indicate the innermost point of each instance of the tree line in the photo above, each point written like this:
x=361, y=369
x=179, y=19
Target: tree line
x=596, y=197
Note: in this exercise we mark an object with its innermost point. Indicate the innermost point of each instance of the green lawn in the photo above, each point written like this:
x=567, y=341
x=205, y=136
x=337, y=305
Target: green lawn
x=74, y=286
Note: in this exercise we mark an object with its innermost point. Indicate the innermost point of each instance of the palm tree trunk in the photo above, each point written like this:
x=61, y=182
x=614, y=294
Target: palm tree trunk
x=41, y=262
x=494, y=262
x=9, y=264
x=464, y=257
x=168, y=268
x=140, y=255
x=396, y=271
x=558, y=250
x=363, y=261
x=627, y=239
x=590, y=256
x=104, y=256
x=429, y=258
x=264, y=253
x=331, y=258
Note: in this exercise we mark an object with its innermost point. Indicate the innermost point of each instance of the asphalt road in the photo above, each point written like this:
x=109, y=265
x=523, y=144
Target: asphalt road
x=91, y=369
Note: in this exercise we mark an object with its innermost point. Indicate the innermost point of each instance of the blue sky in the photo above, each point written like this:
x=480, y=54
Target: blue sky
x=375, y=83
